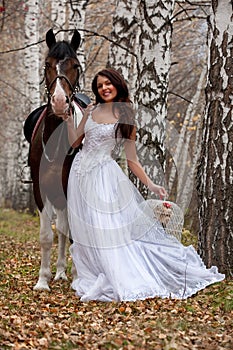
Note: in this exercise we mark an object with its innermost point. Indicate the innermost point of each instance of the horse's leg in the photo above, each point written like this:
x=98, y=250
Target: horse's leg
x=46, y=241
x=62, y=228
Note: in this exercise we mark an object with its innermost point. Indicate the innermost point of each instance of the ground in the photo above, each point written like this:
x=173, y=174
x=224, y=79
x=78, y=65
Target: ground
x=58, y=320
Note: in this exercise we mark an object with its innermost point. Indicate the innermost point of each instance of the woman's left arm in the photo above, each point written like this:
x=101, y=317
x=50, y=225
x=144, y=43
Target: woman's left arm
x=136, y=167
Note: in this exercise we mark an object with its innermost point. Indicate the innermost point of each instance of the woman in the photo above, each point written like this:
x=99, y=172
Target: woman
x=120, y=251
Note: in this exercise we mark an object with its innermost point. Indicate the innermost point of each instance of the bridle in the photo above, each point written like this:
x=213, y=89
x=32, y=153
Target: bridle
x=74, y=88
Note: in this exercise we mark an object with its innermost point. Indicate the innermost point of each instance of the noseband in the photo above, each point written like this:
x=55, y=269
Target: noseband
x=61, y=76
x=74, y=88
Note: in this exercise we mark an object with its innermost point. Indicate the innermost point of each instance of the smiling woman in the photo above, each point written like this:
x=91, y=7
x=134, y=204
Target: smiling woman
x=106, y=89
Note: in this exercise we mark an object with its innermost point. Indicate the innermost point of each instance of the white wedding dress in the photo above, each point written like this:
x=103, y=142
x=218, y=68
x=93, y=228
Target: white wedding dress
x=120, y=251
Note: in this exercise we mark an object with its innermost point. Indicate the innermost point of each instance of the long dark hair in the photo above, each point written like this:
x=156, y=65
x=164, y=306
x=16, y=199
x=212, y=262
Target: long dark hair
x=125, y=112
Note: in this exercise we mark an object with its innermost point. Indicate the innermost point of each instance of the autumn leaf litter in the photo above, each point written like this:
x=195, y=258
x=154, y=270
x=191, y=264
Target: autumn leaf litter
x=58, y=320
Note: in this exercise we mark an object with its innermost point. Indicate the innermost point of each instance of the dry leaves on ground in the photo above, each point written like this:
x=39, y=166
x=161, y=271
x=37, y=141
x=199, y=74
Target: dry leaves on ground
x=58, y=320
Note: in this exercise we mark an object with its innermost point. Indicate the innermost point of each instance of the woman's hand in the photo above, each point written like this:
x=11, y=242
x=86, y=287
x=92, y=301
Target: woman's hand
x=159, y=190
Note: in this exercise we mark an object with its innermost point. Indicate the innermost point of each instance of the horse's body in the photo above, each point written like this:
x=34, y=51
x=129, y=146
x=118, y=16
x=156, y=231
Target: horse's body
x=50, y=155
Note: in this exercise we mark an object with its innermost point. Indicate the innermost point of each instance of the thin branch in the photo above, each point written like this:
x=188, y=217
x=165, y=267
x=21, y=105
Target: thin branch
x=189, y=18
x=13, y=88
x=22, y=48
x=106, y=38
x=185, y=10
x=182, y=97
x=195, y=3
x=68, y=30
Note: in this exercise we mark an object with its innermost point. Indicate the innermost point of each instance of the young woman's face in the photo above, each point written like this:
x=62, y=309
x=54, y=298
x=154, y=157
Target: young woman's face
x=106, y=90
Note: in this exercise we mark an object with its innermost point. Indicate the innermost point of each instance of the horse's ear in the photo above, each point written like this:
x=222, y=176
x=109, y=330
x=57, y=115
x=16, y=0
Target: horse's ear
x=75, y=41
x=50, y=38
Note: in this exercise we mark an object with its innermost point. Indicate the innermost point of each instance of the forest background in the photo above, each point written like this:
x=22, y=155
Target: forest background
x=177, y=59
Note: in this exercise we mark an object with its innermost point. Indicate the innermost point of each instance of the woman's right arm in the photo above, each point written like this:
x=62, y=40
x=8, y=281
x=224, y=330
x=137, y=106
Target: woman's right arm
x=76, y=135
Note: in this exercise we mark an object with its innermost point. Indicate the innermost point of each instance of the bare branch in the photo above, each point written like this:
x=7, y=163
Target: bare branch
x=67, y=30
x=182, y=97
x=13, y=87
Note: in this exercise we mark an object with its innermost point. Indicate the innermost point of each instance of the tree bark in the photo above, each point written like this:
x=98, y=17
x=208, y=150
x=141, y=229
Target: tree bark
x=215, y=166
x=125, y=35
x=143, y=29
x=76, y=20
x=22, y=195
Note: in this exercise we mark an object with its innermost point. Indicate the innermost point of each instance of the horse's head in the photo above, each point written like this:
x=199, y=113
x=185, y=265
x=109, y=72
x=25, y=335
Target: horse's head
x=61, y=71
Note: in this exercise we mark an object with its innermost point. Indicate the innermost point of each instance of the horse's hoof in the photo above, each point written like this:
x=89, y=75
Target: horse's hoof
x=41, y=286
x=61, y=276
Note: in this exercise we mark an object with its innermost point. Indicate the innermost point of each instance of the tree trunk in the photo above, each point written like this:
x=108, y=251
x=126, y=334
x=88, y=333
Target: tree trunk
x=152, y=82
x=23, y=197
x=215, y=167
x=76, y=20
x=143, y=28
x=58, y=17
x=125, y=34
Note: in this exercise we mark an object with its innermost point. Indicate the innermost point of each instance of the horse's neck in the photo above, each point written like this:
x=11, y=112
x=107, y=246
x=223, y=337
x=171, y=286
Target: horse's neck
x=52, y=123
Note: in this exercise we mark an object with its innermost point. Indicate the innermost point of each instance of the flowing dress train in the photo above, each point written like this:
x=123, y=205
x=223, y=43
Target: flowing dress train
x=120, y=251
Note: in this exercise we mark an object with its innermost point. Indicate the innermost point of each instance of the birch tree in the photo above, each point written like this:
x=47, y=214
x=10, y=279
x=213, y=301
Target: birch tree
x=77, y=14
x=23, y=195
x=15, y=101
x=143, y=30
x=125, y=36
x=58, y=16
x=152, y=82
x=215, y=171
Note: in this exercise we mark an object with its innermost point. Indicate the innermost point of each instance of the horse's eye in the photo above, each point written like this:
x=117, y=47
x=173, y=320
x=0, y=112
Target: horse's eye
x=47, y=65
x=75, y=66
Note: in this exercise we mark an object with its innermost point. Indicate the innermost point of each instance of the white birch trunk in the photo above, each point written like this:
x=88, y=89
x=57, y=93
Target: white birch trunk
x=58, y=17
x=143, y=30
x=32, y=81
x=152, y=83
x=125, y=34
x=215, y=171
x=21, y=193
x=76, y=19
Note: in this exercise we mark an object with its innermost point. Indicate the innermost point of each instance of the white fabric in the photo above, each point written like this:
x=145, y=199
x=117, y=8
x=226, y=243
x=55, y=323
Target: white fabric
x=120, y=251
x=77, y=114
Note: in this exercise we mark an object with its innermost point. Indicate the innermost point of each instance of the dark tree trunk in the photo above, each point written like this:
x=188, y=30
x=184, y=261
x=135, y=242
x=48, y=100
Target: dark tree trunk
x=215, y=170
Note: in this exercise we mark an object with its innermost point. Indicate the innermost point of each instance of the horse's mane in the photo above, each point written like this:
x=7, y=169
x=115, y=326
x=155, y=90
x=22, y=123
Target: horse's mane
x=62, y=49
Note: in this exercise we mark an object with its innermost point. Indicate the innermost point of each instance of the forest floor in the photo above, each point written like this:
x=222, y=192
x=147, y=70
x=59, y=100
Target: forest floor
x=58, y=320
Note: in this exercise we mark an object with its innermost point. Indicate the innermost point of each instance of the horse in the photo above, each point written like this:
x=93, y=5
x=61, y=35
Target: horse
x=50, y=155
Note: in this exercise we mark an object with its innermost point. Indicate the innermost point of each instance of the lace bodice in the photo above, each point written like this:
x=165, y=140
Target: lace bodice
x=99, y=135
x=98, y=145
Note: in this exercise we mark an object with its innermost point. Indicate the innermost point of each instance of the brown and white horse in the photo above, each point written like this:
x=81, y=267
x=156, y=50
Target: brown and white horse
x=50, y=156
